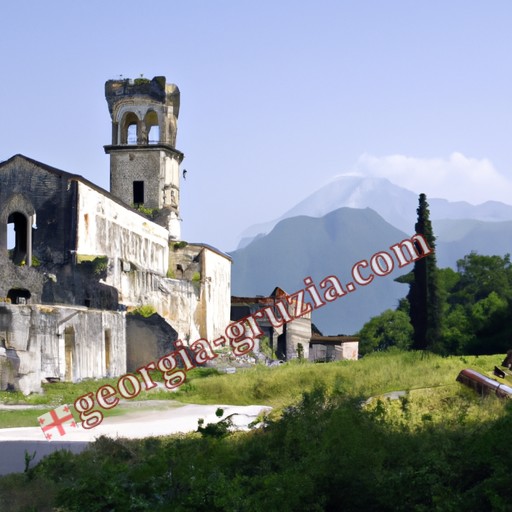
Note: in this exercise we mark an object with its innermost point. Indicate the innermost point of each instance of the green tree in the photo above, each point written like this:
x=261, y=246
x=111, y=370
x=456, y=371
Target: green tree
x=424, y=295
x=476, y=305
x=389, y=329
x=457, y=334
x=480, y=275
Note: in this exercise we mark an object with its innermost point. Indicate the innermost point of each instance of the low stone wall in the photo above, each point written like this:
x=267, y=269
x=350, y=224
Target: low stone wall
x=59, y=342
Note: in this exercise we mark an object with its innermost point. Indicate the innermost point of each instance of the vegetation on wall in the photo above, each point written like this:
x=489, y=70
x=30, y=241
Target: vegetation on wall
x=97, y=265
x=146, y=310
x=151, y=213
x=179, y=245
x=141, y=81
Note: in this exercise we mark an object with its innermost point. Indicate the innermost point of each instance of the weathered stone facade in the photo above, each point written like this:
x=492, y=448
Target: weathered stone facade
x=42, y=343
x=75, y=258
x=333, y=348
x=146, y=339
x=287, y=341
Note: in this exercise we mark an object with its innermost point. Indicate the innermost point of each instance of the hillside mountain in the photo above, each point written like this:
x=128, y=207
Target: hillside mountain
x=456, y=238
x=303, y=246
x=395, y=204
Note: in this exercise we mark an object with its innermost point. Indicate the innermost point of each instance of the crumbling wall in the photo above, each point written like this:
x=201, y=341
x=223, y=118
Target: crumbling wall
x=215, y=293
x=60, y=342
x=178, y=302
x=51, y=194
x=107, y=228
x=195, y=298
x=147, y=340
x=298, y=331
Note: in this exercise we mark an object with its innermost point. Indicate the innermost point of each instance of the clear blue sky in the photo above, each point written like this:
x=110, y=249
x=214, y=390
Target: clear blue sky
x=278, y=97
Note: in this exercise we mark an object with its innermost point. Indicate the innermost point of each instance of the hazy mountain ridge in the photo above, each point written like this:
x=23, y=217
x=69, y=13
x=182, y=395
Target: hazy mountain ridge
x=456, y=238
x=395, y=204
x=315, y=238
x=303, y=246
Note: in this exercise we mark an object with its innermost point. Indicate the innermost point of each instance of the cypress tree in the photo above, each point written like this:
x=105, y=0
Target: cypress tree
x=424, y=298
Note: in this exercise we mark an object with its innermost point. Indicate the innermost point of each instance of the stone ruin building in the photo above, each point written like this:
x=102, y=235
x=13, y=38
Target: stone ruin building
x=287, y=341
x=76, y=261
x=298, y=338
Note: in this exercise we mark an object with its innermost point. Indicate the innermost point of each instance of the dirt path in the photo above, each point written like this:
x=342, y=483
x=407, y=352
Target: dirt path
x=156, y=418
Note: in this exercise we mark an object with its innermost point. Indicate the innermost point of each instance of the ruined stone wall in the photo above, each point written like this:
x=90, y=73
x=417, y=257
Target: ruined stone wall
x=194, y=299
x=349, y=351
x=334, y=352
x=178, y=302
x=14, y=276
x=155, y=167
x=106, y=228
x=215, y=293
x=298, y=331
x=147, y=340
x=50, y=195
x=60, y=342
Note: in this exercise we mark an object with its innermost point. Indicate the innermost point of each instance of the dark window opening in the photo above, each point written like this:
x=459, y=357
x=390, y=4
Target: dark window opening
x=69, y=353
x=18, y=295
x=18, y=234
x=108, y=350
x=129, y=129
x=138, y=193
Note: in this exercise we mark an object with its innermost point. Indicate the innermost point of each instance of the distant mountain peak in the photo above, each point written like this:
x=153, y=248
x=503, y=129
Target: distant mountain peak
x=397, y=205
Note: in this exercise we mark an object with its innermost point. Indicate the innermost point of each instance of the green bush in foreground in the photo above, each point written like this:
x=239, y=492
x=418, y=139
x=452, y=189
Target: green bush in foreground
x=325, y=453
x=341, y=444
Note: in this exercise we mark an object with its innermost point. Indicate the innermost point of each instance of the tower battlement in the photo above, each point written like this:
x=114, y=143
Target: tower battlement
x=155, y=89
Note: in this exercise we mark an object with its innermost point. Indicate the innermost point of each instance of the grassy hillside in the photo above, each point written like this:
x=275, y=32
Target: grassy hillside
x=336, y=442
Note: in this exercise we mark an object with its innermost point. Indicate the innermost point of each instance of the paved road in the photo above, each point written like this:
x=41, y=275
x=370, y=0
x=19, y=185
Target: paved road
x=172, y=419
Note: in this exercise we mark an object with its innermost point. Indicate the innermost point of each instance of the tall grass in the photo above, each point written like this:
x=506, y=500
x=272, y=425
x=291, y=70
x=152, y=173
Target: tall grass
x=375, y=374
x=279, y=386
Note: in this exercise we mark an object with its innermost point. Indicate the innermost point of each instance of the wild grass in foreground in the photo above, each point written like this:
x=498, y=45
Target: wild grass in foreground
x=438, y=447
x=372, y=375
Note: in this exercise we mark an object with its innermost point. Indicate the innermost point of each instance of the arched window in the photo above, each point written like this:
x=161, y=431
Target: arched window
x=152, y=127
x=17, y=238
x=129, y=129
x=17, y=224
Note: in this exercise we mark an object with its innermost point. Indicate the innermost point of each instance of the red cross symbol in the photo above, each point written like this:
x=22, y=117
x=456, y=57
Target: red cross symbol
x=58, y=418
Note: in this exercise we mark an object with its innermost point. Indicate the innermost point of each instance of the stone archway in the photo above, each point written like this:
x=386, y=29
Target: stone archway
x=18, y=212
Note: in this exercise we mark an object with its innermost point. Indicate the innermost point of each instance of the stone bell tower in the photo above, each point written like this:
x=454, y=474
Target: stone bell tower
x=144, y=163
